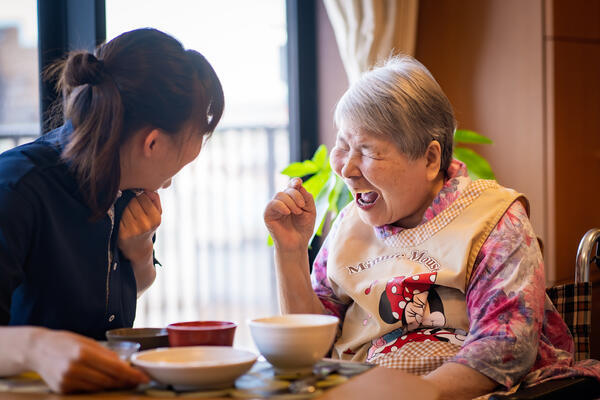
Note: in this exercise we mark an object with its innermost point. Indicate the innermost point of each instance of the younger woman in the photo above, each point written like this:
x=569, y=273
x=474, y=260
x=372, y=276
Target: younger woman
x=78, y=206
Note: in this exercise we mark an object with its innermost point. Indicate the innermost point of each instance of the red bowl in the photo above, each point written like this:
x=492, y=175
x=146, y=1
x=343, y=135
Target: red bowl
x=201, y=333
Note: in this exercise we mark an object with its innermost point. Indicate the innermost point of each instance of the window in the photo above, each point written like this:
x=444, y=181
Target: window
x=19, y=93
x=212, y=241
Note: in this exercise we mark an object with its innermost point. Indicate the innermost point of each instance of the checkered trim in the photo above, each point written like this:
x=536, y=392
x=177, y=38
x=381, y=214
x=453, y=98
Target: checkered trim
x=574, y=303
x=419, y=358
x=416, y=236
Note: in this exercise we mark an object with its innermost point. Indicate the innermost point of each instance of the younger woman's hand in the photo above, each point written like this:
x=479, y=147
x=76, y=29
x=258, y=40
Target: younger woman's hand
x=141, y=218
x=72, y=363
x=290, y=217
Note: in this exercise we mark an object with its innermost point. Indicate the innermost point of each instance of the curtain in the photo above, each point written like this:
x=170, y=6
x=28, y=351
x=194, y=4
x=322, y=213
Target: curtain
x=368, y=31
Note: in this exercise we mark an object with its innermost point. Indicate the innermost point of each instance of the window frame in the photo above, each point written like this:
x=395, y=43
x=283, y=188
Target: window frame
x=63, y=26
x=301, y=16
x=302, y=78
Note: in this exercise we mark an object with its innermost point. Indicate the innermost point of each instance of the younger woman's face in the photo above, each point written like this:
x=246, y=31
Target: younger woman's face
x=182, y=151
x=151, y=161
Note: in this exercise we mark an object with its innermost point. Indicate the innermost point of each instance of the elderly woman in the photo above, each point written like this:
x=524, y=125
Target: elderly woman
x=429, y=271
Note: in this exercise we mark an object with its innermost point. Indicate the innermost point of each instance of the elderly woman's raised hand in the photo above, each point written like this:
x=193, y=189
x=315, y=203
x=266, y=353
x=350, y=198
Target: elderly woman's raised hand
x=290, y=217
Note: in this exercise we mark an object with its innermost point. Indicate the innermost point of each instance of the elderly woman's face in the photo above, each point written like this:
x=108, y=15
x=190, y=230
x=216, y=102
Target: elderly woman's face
x=388, y=187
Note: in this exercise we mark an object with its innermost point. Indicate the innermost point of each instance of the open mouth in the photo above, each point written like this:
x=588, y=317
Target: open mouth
x=366, y=199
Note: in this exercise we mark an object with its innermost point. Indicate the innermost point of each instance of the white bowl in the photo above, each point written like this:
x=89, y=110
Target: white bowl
x=294, y=342
x=203, y=367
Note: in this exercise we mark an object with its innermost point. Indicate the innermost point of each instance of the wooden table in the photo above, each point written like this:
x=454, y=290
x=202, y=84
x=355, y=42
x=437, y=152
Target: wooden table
x=377, y=383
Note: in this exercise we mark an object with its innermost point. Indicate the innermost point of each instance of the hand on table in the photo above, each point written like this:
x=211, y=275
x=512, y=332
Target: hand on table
x=140, y=220
x=290, y=217
x=72, y=363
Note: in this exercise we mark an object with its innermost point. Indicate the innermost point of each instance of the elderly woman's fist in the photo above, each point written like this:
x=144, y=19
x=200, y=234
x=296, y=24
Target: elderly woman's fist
x=290, y=217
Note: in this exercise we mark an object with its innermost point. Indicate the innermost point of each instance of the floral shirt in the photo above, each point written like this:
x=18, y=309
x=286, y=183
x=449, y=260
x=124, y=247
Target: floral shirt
x=515, y=332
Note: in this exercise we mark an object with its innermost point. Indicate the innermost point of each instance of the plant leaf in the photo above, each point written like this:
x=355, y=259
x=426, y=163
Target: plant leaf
x=322, y=204
x=320, y=157
x=477, y=166
x=300, y=169
x=317, y=182
x=319, y=230
x=344, y=199
x=334, y=195
x=466, y=136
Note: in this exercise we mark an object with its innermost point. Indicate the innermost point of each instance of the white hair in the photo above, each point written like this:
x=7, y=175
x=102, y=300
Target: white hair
x=402, y=101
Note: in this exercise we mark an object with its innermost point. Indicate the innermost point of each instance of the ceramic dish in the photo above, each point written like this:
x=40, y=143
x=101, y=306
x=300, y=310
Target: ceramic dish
x=293, y=343
x=201, y=333
x=202, y=367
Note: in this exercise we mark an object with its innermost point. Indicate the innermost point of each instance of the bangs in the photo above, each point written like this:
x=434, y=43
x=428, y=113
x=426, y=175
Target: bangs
x=362, y=108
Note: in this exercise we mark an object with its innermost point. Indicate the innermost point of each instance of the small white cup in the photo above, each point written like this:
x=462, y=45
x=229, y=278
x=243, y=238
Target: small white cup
x=124, y=349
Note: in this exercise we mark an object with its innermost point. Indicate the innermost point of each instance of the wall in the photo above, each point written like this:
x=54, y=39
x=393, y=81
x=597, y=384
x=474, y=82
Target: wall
x=493, y=78
x=572, y=44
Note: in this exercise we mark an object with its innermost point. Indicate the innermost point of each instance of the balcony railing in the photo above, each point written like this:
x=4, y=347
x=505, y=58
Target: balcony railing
x=14, y=135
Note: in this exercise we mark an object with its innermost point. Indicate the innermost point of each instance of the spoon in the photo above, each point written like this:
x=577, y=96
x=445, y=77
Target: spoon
x=307, y=385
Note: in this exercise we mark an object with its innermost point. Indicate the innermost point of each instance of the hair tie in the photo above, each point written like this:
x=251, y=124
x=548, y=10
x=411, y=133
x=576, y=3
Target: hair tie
x=84, y=68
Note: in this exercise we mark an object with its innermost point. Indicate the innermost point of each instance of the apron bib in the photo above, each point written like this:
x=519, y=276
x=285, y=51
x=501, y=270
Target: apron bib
x=407, y=291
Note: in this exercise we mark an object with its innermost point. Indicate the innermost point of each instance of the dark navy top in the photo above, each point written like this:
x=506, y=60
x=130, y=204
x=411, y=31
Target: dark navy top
x=55, y=267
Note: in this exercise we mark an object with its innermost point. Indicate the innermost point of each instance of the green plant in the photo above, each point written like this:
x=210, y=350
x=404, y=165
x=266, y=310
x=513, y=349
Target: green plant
x=477, y=166
x=331, y=194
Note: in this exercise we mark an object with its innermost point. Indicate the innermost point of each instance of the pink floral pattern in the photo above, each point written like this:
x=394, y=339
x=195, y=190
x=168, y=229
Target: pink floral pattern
x=515, y=332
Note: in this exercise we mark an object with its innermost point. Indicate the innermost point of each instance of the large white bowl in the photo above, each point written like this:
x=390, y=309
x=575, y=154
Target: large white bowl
x=203, y=367
x=294, y=342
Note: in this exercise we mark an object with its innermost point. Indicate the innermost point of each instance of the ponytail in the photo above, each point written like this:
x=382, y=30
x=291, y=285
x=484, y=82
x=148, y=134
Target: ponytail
x=95, y=109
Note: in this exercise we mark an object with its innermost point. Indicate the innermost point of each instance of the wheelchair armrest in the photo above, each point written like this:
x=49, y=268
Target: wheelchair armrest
x=573, y=388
